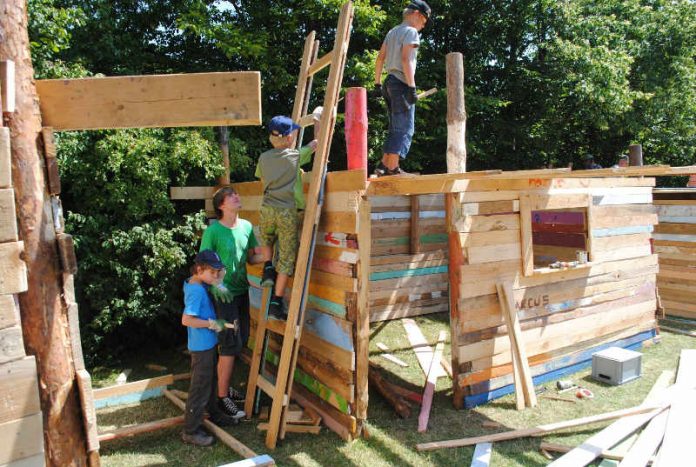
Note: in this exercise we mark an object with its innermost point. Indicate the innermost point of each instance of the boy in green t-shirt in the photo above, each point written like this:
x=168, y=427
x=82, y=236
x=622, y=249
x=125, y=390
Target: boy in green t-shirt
x=232, y=238
x=280, y=173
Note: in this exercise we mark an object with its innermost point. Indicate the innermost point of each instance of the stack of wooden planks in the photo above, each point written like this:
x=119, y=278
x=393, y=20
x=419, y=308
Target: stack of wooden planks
x=408, y=268
x=21, y=423
x=326, y=374
x=675, y=244
x=565, y=314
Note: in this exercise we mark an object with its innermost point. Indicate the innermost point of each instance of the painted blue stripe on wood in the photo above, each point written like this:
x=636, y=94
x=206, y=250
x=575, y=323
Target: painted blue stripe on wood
x=377, y=276
x=632, y=229
x=382, y=216
x=325, y=326
x=131, y=398
x=320, y=324
x=432, y=215
x=636, y=343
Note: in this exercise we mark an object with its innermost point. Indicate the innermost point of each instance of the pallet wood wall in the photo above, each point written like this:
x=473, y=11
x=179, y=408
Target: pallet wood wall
x=408, y=268
x=565, y=315
x=674, y=241
x=21, y=425
x=331, y=337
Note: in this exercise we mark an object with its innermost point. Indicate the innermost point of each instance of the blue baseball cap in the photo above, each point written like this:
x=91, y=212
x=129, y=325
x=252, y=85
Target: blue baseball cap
x=281, y=125
x=209, y=258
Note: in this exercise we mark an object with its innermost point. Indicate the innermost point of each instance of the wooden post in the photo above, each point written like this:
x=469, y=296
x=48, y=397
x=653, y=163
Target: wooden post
x=224, y=142
x=45, y=322
x=456, y=114
x=692, y=182
x=362, y=321
x=356, y=128
x=635, y=155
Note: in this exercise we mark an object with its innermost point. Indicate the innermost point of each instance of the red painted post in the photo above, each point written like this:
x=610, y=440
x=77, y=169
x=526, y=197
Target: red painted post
x=356, y=128
x=692, y=181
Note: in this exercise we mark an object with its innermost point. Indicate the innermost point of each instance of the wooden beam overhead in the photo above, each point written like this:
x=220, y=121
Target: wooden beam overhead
x=200, y=99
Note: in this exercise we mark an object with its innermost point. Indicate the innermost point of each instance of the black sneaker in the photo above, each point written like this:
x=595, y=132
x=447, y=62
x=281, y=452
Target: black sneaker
x=269, y=275
x=398, y=171
x=230, y=409
x=198, y=438
x=276, y=308
x=236, y=396
x=220, y=419
x=381, y=170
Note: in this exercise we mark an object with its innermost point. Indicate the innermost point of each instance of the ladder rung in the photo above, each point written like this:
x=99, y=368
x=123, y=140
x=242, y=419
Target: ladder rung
x=276, y=326
x=320, y=64
x=307, y=120
x=265, y=385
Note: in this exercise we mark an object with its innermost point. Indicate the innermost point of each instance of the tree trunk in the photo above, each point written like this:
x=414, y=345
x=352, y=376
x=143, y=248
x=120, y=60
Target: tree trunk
x=44, y=317
x=456, y=114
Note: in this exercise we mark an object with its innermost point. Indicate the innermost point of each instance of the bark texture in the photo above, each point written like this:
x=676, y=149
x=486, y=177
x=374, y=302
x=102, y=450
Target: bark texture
x=43, y=312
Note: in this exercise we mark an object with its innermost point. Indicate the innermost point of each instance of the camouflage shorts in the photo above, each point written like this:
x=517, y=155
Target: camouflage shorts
x=279, y=226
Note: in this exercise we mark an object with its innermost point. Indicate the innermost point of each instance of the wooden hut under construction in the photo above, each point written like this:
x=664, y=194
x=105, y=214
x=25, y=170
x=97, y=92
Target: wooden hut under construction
x=398, y=247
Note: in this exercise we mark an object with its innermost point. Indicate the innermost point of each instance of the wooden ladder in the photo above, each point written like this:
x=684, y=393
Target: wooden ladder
x=280, y=390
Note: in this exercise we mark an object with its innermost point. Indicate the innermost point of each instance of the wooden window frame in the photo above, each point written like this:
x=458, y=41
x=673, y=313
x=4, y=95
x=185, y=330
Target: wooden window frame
x=539, y=202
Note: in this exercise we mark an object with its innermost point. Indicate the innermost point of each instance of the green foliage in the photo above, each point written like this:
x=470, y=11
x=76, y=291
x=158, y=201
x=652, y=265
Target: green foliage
x=133, y=248
x=546, y=83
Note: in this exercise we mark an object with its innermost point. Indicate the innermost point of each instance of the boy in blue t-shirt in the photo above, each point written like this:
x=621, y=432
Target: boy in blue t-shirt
x=202, y=326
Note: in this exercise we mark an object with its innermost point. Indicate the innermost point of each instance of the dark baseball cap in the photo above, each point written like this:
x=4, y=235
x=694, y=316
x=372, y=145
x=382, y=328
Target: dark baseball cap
x=420, y=6
x=281, y=125
x=209, y=258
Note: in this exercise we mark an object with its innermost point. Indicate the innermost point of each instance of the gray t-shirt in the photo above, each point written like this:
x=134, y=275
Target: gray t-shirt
x=279, y=169
x=399, y=36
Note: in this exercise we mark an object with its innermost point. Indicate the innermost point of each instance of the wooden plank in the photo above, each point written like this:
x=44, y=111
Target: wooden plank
x=491, y=223
x=423, y=351
x=527, y=243
x=221, y=434
x=482, y=455
x=134, y=387
x=415, y=231
x=89, y=416
x=200, y=99
x=11, y=344
x=258, y=461
x=7, y=86
x=5, y=158
x=676, y=228
x=543, y=339
x=19, y=388
x=22, y=438
x=390, y=357
x=516, y=180
x=609, y=455
x=489, y=207
x=677, y=445
x=493, y=253
x=13, y=271
x=407, y=311
x=191, y=192
x=9, y=311
x=537, y=430
x=519, y=354
x=8, y=217
x=431, y=380
x=686, y=376
x=148, y=427
x=614, y=433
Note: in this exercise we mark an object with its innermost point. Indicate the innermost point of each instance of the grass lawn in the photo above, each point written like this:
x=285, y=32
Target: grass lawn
x=392, y=440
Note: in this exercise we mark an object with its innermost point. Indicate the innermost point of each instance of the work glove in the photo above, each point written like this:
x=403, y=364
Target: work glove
x=217, y=325
x=411, y=95
x=221, y=294
x=376, y=93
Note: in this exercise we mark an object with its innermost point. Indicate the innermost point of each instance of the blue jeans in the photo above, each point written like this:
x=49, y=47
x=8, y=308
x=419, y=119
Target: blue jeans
x=402, y=116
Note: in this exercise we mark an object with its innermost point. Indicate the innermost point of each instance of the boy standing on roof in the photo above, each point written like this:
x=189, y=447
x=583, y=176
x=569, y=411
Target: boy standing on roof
x=279, y=171
x=398, y=56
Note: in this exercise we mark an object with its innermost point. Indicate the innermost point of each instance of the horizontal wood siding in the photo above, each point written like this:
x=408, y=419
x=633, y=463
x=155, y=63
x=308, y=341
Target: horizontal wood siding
x=565, y=312
x=675, y=244
x=404, y=282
